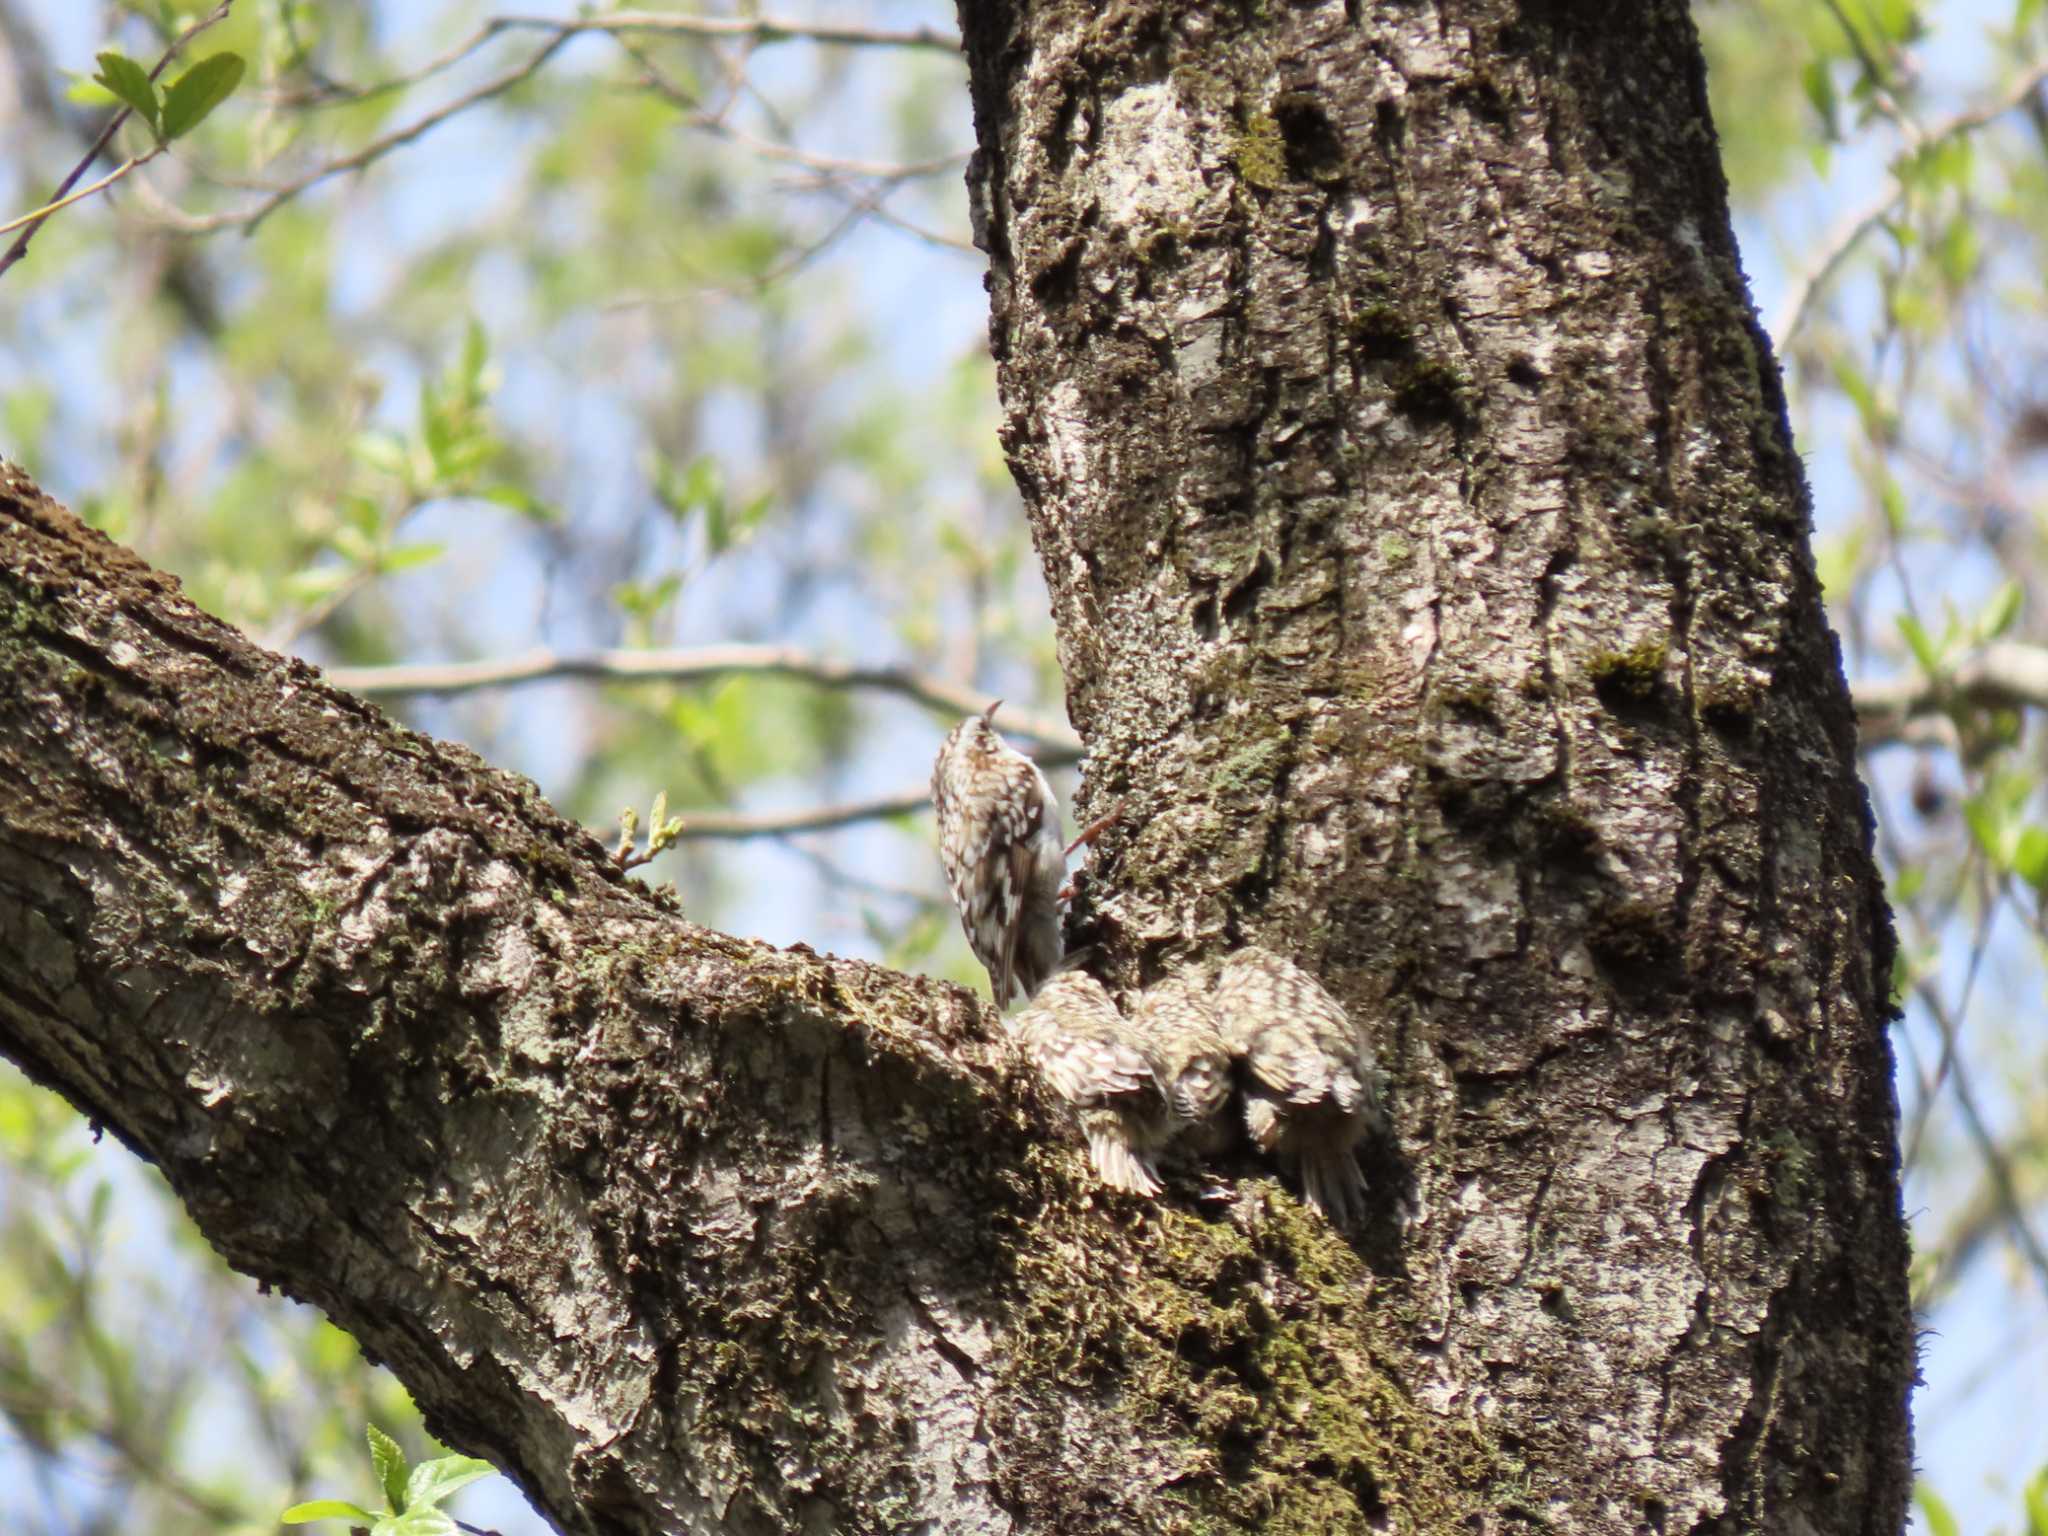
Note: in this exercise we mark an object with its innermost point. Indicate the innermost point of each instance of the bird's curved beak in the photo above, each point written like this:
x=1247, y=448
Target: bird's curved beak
x=988, y=716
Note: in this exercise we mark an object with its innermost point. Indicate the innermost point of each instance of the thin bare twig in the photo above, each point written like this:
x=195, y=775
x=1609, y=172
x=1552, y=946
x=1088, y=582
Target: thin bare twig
x=824, y=818
x=756, y=30
x=375, y=150
x=61, y=197
x=37, y=215
x=1996, y=1165
x=751, y=30
x=701, y=663
x=30, y=1392
x=746, y=29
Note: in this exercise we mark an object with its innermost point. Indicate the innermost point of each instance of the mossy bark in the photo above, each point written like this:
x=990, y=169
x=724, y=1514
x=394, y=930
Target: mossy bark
x=1430, y=564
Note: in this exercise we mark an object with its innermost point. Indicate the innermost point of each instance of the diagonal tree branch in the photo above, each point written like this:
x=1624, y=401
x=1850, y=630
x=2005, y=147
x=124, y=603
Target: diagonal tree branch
x=369, y=154
x=1841, y=242
x=2001, y=676
x=755, y=30
x=674, y=1227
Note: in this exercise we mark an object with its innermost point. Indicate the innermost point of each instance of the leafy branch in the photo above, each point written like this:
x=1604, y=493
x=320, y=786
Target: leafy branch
x=171, y=113
x=412, y=1496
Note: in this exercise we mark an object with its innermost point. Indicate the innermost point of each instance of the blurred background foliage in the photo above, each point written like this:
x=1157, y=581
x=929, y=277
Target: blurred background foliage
x=642, y=365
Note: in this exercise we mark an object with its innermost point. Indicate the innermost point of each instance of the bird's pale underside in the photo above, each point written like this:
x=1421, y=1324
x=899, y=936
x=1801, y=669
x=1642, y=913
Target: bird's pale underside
x=1000, y=843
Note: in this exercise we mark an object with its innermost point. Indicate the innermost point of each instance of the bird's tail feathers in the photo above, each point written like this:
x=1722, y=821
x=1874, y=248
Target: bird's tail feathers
x=1122, y=1166
x=1334, y=1186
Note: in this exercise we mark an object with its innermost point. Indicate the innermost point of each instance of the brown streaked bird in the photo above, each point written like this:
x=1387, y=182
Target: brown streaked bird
x=1177, y=1021
x=1089, y=1056
x=1312, y=1087
x=999, y=840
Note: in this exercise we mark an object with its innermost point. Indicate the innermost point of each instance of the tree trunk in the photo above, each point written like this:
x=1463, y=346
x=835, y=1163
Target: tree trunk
x=1429, y=562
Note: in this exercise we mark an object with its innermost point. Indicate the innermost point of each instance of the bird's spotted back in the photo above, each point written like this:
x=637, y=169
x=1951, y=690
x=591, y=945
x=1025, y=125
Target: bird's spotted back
x=1082, y=1046
x=1179, y=1026
x=1296, y=1038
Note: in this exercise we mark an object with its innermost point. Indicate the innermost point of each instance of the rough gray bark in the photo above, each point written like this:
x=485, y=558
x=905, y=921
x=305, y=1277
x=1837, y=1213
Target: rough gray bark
x=1430, y=564
x=1429, y=561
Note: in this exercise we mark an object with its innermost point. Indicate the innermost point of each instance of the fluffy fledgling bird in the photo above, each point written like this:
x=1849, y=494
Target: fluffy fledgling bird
x=1177, y=1023
x=999, y=840
x=1090, y=1056
x=1312, y=1088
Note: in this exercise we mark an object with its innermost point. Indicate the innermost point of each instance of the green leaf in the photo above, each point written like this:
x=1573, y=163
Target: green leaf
x=1894, y=500
x=1854, y=383
x=2000, y=612
x=524, y=502
x=1908, y=883
x=754, y=513
x=1983, y=825
x=1994, y=815
x=130, y=82
x=325, y=1509
x=316, y=582
x=1958, y=251
x=198, y=91
x=476, y=353
x=2037, y=1504
x=433, y=1481
x=89, y=93
x=389, y=1461
x=685, y=492
x=416, y=1522
x=1940, y=1522
x=462, y=454
x=2030, y=857
x=1925, y=651
x=1819, y=81
x=408, y=557
x=645, y=600
x=1837, y=560
x=382, y=451
x=353, y=545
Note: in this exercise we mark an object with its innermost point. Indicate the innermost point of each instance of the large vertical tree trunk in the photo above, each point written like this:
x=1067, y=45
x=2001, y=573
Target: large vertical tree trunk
x=1430, y=561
